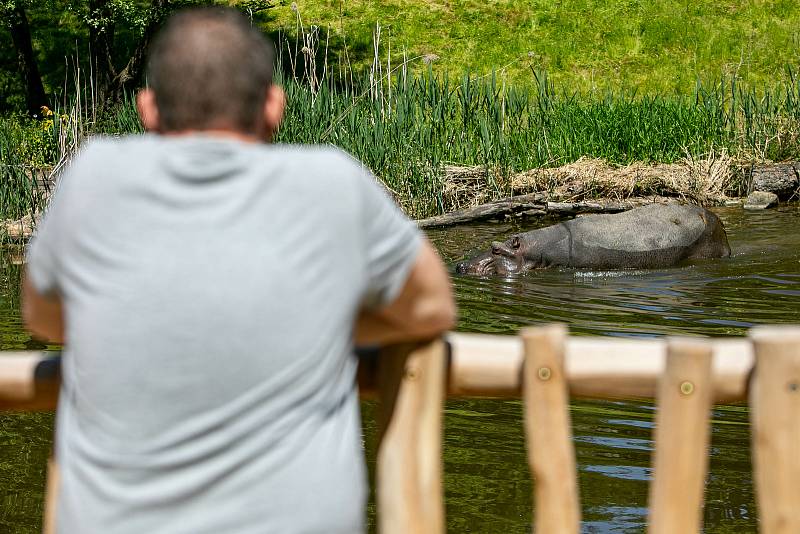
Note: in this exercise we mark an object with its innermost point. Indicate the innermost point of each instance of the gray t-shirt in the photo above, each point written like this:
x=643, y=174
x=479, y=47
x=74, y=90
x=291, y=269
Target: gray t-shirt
x=210, y=288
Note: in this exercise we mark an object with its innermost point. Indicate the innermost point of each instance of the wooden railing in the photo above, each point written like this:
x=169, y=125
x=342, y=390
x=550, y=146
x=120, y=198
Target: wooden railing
x=546, y=368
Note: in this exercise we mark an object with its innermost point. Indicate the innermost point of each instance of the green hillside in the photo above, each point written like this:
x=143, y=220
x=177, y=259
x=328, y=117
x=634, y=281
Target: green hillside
x=661, y=46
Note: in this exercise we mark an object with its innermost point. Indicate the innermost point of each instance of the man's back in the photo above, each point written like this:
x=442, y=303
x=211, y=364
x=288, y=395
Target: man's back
x=210, y=289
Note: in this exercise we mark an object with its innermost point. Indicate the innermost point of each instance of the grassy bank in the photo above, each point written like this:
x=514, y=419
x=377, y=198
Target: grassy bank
x=657, y=46
x=409, y=128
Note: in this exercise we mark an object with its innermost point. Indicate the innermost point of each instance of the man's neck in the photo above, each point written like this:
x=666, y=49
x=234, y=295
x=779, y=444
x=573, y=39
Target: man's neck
x=220, y=133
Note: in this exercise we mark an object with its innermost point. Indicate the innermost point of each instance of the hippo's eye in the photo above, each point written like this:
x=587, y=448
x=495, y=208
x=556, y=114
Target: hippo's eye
x=515, y=243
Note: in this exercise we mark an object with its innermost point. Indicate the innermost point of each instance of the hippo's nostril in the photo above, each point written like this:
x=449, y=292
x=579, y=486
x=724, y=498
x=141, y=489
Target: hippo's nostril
x=461, y=267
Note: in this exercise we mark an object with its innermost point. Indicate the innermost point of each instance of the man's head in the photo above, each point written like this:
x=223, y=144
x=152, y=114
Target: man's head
x=209, y=70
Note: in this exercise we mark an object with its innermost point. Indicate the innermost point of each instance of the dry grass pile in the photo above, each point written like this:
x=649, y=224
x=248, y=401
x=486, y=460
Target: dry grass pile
x=707, y=180
x=18, y=230
x=466, y=187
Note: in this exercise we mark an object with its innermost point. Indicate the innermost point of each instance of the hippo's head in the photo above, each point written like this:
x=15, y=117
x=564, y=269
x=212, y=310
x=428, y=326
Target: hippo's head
x=505, y=258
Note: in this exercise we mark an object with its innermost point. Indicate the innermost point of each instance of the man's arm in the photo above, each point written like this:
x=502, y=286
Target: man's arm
x=42, y=315
x=424, y=308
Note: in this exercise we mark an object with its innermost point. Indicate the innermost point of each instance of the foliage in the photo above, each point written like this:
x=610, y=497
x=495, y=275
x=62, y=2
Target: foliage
x=106, y=38
x=26, y=149
x=11, y=89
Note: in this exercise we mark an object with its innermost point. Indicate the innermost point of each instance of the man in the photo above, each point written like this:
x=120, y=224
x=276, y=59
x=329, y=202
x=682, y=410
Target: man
x=208, y=287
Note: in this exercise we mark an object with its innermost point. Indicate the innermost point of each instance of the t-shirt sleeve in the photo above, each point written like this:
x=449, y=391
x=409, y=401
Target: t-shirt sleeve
x=42, y=254
x=391, y=243
x=45, y=250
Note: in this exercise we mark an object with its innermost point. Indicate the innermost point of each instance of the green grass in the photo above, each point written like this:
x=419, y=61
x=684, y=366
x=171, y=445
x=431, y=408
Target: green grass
x=652, y=47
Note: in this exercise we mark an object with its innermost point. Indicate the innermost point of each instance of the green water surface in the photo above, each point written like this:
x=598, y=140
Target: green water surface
x=487, y=484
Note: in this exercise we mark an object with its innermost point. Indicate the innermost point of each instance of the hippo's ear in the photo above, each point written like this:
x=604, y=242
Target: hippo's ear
x=515, y=242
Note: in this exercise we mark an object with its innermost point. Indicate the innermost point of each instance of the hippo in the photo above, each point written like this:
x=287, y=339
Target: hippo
x=648, y=237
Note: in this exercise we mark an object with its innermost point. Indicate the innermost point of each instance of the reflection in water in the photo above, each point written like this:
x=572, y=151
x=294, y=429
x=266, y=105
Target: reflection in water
x=487, y=484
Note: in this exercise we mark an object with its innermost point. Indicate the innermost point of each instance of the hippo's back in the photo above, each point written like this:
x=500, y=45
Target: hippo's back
x=655, y=235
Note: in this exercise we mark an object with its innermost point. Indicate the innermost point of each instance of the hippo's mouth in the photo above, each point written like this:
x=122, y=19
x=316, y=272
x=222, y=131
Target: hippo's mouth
x=483, y=266
x=486, y=266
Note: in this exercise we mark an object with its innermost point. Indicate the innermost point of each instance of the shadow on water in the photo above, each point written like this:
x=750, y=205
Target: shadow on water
x=487, y=484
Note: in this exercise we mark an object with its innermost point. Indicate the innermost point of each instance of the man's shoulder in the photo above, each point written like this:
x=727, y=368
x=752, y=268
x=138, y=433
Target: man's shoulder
x=317, y=165
x=118, y=142
x=328, y=156
x=109, y=147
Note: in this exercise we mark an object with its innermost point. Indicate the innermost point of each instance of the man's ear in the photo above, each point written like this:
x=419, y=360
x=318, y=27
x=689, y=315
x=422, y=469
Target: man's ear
x=148, y=111
x=274, y=105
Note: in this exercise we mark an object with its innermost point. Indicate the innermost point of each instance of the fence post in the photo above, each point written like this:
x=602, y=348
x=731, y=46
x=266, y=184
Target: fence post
x=51, y=496
x=680, y=464
x=409, y=465
x=775, y=427
x=548, y=431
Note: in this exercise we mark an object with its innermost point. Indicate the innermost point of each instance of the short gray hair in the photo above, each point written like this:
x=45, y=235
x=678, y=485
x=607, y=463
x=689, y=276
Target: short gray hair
x=209, y=68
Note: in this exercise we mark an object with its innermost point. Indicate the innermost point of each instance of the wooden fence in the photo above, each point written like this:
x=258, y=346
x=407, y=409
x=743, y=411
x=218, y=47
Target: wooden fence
x=546, y=367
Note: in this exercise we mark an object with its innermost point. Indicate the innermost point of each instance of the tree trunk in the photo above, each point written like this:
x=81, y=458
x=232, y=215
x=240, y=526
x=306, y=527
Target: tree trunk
x=132, y=75
x=35, y=96
x=101, y=46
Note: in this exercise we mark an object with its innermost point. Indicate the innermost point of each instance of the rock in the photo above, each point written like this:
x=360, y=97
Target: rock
x=783, y=179
x=759, y=200
x=20, y=229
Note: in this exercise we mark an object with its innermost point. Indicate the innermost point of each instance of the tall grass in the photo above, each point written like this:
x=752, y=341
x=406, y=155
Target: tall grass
x=25, y=150
x=407, y=127
x=33, y=152
x=412, y=126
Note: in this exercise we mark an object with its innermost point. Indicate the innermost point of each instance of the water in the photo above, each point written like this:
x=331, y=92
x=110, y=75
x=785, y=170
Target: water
x=487, y=484
x=488, y=488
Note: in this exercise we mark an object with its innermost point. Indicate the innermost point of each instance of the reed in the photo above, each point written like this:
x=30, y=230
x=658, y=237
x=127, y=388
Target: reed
x=417, y=124
x=25, y=150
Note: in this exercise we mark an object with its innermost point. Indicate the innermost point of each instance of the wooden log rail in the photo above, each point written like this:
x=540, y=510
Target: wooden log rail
x=546, y=368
